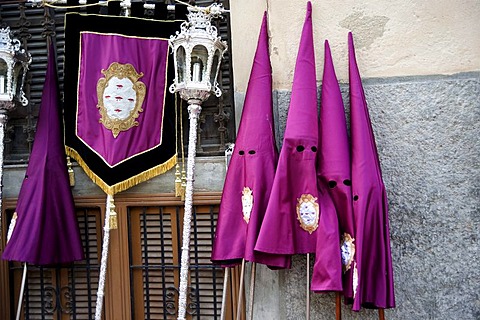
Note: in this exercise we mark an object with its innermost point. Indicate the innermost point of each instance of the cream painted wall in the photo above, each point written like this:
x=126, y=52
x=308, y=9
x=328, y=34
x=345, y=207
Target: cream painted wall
x=392, y=38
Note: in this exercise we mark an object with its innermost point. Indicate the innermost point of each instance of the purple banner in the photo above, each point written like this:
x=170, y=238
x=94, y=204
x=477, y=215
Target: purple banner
x=121, y=93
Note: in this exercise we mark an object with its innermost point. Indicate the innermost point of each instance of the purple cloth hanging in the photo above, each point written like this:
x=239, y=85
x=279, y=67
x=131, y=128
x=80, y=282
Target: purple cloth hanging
x=370, y=207
x=46, y=230
x=334, y=165
x=300, y=216
x=251, y=171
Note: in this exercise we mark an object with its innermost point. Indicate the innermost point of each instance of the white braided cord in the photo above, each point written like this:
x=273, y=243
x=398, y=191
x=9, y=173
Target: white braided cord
x=3, y=122
x=103, y=265
x=194, y=111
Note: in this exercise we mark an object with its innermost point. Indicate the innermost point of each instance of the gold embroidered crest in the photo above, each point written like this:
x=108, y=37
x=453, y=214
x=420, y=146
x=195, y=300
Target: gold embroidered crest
x=347, y=248
x=308, y=212
x=120, y=97
x=247, y=203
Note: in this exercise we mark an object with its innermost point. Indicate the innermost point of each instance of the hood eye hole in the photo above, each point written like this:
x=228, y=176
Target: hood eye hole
x=314, y=149
x=347, y=182
x=241, y=152
x=251, y=152
x=300, y=148
x=332, y=184
x=355, y=198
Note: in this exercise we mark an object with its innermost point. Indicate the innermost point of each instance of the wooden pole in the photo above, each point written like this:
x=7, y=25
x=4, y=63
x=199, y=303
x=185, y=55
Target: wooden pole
x=381, y=314
x=338, y=303
x=308, y=287
x=252, y=289
x=224, y=293
x=22, y=288
x=240, y=291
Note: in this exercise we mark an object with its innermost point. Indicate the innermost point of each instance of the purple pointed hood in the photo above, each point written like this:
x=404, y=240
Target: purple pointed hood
x=283, y=232
x=334, y=162
x=370, y=207
x=300, y=217
x=46, y=230
x=251, y=171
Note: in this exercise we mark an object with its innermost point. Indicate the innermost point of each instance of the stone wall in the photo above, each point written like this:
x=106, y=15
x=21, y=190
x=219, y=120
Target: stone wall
x=427, y=132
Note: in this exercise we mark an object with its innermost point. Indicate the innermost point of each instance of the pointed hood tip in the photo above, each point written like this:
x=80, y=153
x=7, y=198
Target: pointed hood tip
x=309, y=10
x=328, y=52
x=351, y=45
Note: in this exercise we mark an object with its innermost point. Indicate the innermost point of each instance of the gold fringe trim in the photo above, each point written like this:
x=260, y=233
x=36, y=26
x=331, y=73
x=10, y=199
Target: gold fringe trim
x=126, y=184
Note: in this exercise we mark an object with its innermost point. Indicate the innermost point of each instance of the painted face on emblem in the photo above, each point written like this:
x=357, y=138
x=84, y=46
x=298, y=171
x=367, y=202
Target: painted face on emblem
x=119, y=98
x=247, y=203
x=345, y=253
x=308, y=213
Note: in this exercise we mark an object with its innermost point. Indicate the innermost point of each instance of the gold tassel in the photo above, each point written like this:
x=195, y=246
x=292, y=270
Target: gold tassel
x=184, y=184
x=71, y=174
x=178, y=181
x=113, y=223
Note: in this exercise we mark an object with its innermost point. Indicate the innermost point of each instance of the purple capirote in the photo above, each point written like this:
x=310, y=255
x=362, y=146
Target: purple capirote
x=285, y=230
x=46, y=230
x=370, y=206
x=334, y=159
x=252, y=166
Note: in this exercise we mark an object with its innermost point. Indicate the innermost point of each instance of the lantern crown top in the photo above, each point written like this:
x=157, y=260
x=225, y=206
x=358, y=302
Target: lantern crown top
x=198, y=50
x=199, y=21
x=8, y=44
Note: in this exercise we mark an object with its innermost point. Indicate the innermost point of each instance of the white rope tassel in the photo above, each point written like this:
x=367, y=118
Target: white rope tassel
x=194, y=110
x=103, y=266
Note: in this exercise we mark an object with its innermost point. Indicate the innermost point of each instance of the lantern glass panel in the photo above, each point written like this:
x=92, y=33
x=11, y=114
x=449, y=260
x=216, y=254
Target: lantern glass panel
x=213, y=74
x=180, y=64
x=3, y=76
x=198, y=62
x=17, y=78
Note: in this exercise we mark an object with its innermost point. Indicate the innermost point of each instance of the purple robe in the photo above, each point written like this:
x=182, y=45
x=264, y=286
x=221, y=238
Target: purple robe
x=251, y=171
x=300, y=216
x=370, y=207
x=46, y=230
x=334, y=164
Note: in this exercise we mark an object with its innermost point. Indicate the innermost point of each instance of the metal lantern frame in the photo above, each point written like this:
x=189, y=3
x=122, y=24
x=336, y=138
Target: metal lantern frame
x=13, y=60
x=14, y=63
x=197, y=50
x=196, y=34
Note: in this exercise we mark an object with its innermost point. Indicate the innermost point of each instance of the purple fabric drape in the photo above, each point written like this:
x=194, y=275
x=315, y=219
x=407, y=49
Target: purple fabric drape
x=46, y=230
x=370, y=207
x=251, y=171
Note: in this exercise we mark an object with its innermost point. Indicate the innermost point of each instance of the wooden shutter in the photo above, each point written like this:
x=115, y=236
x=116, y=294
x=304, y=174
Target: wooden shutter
x=155, y=241
x=66, y=292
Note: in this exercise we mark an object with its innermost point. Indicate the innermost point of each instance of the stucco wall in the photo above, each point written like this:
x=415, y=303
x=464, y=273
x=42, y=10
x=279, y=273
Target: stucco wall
x=421, y=70
x=393, y=38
